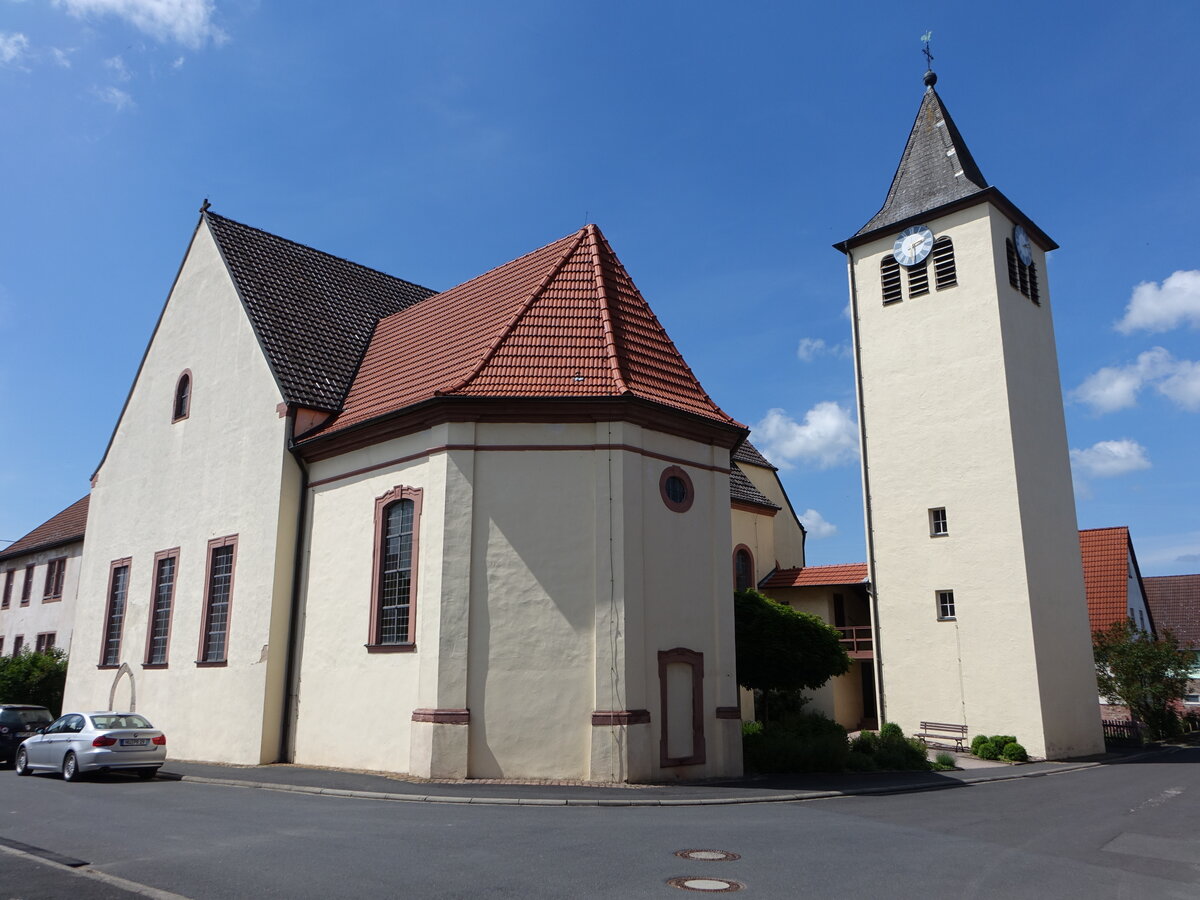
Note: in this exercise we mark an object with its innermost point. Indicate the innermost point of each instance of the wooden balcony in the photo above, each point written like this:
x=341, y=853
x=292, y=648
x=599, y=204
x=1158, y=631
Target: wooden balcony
x=857, y=641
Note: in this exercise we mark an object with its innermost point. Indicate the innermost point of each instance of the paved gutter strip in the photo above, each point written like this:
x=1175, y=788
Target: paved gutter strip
x=41, y=853
x=966, y=781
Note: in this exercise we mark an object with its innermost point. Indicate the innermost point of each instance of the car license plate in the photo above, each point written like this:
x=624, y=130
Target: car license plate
x=134, y=742
x=24, y=734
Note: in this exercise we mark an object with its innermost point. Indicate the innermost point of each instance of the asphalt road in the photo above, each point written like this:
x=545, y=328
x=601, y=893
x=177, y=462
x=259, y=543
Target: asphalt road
x=1117, y=831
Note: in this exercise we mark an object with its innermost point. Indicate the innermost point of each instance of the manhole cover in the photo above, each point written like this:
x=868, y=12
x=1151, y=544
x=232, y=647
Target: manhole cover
x=708, y=885
x=708, y=855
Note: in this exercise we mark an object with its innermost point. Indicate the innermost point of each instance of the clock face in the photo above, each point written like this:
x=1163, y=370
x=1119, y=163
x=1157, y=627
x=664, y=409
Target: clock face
x=1024, y=248
x=913, y=245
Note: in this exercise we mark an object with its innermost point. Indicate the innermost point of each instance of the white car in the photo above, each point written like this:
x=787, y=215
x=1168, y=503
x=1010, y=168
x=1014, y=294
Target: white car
x=77, y=743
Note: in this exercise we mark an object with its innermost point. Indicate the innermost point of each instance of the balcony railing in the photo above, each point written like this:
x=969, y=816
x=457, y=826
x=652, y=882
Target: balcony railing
x=857, y=641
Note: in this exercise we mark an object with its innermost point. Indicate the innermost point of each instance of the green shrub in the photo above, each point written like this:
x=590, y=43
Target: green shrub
x=945, y=761
x=1014, y=752
x=1003, y=740
x=36, y=678
x=801, y=742
x=890, y=730
x=866, y=743
x=976, y=741
x=987, y=750
x=751, y=728
x=858, y=761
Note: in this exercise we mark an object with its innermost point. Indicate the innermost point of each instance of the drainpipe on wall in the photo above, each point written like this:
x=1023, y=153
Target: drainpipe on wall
x=290, y=692
x=872, y=582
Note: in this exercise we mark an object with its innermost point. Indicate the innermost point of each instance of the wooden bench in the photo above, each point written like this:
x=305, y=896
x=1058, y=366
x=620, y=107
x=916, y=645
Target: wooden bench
x=943, y=731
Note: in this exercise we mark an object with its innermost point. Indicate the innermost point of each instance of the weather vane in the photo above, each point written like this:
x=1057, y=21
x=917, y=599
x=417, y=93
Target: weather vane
x=927, y=37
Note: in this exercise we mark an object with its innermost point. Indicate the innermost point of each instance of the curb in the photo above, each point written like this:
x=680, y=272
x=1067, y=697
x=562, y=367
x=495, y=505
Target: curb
x=607, y=802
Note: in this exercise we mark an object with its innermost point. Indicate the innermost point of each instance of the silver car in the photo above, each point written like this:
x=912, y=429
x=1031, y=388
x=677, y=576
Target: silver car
x=77, y=743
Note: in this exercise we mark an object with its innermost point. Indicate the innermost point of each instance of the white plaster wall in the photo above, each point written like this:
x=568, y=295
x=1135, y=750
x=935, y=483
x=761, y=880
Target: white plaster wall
x=756, y=531
x=788, y=537
x=1136, y=602
x=219, y=472
x=936, y=377
x=38, y=617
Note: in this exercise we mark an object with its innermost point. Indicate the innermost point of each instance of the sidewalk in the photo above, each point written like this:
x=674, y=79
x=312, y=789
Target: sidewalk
x=748, y=789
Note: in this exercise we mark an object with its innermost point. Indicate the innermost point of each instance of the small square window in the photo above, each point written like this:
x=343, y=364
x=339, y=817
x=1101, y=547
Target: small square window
x=945, y=605
x=937, y=522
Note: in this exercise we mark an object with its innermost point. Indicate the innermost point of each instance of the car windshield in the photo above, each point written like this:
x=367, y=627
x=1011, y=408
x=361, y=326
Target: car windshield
x=127, y=720
x=33, y=718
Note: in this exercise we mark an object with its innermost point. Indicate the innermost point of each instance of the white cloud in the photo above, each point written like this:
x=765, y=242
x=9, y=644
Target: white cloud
x=1107, y=459
x=810, y=348
x=115, y=97
x=816, y=526
x=1154, y=307
x=13, y=45
x=118, y=68
x=827, y=437
x=62, y=57
x=189, y=22
x=178, y=64
x=1117, y=387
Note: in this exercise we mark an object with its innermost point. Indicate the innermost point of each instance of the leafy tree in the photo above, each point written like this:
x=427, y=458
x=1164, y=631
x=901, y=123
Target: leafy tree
x=34, y=678
x=1144, y=673
x=781, y=649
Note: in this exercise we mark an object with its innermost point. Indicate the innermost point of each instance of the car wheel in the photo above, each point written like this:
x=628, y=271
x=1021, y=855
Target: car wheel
x=70, y=768
x=147, y=774
x=22, y=763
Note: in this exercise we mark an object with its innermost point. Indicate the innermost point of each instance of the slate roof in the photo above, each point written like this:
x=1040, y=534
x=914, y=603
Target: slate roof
x=564, y=321
x=850, y=573
x=748, y=453
x=1175, y=604
x=936, y=168
x=63, y=528
x=742, y=489
x=1106, y=553
x=314, y=313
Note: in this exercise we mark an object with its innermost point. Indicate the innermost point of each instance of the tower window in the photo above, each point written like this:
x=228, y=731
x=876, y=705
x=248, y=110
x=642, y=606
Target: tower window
x=945, y=606
x=918, y=279
x=889, y=274
x=944, y=271
x=1022, y=277
x=183, y=397
x=938, y=527
x=1033, y=284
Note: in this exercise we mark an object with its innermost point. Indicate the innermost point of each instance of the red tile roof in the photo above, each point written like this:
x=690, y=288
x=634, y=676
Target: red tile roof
x=564, y=321
x=1106, y=554
x=63, y=528
x=852, y=573
x=1175, y=604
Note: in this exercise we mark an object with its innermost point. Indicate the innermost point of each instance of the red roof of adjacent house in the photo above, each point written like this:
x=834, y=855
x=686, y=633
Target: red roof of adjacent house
x=1175, y=603
x=63, y=528
x=1106, y=553
x=565, y=321
x=852, y=573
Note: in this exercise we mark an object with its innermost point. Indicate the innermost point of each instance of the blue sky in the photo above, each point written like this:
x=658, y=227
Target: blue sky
x=722, y=148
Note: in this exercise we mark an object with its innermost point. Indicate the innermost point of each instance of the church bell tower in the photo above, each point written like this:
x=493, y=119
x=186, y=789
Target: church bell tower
x=972, y=541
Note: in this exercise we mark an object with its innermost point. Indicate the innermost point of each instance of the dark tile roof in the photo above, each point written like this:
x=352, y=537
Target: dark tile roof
x=313, y=313
x=849, y=573
x=742, y=489
x=1175, y=604
x=936, y=168
x=748, y=453
x=63, y=528
x=564, y=321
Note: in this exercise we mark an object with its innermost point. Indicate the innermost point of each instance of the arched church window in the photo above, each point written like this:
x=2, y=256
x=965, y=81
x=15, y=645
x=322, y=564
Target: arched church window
x=889, y=274
x=743, y=569
x=944, y=272
x=394, y=580
x=183, y=396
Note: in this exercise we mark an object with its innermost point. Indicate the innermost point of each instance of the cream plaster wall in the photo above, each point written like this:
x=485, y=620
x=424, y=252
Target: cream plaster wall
x=962, y=409
x=221, y=471
x=756, y=531
x=39, y=616
x=788, y=533
x=1135, y=603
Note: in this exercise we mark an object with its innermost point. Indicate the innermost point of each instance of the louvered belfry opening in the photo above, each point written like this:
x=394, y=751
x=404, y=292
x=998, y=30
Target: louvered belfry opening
x=918, y=279
x=1022, y=277
x=889, y=273
x=944, y=272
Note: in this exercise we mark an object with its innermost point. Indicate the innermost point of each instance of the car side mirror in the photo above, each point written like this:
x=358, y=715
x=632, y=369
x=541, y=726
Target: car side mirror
x=41, y=731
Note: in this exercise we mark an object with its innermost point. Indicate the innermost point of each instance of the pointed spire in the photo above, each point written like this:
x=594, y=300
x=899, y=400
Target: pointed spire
x=936, y=168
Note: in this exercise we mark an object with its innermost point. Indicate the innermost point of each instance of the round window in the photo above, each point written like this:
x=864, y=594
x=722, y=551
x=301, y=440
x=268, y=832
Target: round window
x=676, y=488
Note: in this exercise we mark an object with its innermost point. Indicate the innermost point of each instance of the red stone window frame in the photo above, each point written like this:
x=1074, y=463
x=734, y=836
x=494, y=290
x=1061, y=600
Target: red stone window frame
x=162, y=607
x=181, y=400
x=395, y=495
x=56, y=569
x=740, y=552
x=666, y=485
x=27, y=584
x=45, y=641
x=115, y=611
x=10, y=576
x=217, y=615
x=695, y=659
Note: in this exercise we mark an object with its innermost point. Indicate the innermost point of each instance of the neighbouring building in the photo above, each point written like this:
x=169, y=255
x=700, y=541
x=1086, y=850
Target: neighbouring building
x=39, y=576
x=1175, y=602
x=494, y=522
x=1113, y=581
x=972, y=544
